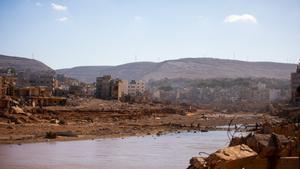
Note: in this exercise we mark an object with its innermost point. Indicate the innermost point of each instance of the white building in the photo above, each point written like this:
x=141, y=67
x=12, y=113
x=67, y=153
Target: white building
x=136, y=87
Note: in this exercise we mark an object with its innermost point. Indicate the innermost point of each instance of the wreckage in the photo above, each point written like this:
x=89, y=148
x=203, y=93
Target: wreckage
x=270, y=146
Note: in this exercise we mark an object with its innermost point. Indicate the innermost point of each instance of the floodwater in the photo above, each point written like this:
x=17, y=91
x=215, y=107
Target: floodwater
x=171, y=151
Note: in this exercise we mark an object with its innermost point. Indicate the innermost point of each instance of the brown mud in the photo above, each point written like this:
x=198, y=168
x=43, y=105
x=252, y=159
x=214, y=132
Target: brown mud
x=93, y=118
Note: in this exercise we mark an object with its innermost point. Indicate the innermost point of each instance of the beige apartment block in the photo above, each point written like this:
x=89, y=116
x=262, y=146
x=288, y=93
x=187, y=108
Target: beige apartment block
x=136, y=87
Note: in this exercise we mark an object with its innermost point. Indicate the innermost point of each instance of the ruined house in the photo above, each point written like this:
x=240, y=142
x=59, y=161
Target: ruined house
x=7, y=88
x=31, y=91
x=7, y=85
x=37, y=79
x=295, y=85
x=39, y=96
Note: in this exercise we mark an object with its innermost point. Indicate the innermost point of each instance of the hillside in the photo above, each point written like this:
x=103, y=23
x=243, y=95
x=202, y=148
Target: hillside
x=190, y=68
x=22, y=64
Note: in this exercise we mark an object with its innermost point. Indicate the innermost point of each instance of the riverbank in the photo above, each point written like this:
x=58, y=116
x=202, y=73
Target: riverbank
x=93, y=119
x=270, y=145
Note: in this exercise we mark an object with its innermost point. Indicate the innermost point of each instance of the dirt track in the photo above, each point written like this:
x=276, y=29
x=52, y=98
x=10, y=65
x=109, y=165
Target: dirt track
x=100, y=119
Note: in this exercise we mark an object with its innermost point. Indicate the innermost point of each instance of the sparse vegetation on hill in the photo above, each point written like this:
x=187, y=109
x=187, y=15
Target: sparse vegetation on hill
x=20, y=64
x=189, y=68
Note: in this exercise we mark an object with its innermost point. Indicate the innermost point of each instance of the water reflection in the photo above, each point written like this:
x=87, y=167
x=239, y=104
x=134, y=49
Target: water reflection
x=171, y=151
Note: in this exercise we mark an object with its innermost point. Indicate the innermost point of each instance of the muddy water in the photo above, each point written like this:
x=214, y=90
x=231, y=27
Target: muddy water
x=171, y=151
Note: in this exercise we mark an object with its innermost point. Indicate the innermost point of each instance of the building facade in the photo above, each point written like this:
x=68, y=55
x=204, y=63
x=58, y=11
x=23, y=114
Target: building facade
x=108, y=88
x=295, y=85
x=136, y=87
x=34, y=79
x=103, y=88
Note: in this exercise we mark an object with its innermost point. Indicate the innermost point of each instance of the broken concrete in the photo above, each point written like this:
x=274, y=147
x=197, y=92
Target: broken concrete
x=231, y=157
x=259, y=150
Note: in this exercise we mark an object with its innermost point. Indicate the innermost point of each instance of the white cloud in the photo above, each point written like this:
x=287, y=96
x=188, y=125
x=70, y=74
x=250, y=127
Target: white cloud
x=246, y=18
x=138, y=18
x=62, y=19
x=38, y=4
x=58, y=7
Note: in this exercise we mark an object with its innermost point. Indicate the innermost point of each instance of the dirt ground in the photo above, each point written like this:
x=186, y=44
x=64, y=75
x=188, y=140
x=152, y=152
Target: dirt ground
x=93, y=118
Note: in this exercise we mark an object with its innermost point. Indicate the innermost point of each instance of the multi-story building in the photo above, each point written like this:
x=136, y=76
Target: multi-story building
x=119, y=88
x=136, y=87
x=34, y=79
x=295, y=85
x=103, y=87
x=109, y=88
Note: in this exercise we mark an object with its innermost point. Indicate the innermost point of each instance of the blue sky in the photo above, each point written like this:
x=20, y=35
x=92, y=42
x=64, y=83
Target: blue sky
x=68, y=33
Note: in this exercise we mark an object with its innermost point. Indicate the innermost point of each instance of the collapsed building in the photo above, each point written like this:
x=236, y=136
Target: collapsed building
x=7, y=88
x=39, y=96
x=29, y=89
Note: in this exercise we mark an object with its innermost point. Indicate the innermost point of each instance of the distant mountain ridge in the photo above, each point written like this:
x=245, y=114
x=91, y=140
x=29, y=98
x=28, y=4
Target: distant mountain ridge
x=190, y=68
x=23, y=64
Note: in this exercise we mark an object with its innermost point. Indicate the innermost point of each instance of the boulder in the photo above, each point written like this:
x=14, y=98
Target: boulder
x=235, y=157
x=198, y=163
x=267, y=145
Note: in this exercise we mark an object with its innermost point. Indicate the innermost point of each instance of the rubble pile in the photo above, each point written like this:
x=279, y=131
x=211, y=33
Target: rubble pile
x=271, y=146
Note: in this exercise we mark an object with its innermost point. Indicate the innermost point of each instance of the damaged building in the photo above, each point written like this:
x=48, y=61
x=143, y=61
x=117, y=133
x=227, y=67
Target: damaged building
x=108, y=88
x=136, y=87
x=39, y=96
x=295, y=85
x=47, y=79
x=29, y=89
x=7, y=89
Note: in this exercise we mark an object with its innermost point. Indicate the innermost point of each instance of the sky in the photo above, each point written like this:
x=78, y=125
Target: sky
x=68, y=33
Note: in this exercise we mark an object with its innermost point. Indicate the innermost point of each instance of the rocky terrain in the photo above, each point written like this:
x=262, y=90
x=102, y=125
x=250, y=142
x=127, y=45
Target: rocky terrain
x=190, y=68
x=268, y=145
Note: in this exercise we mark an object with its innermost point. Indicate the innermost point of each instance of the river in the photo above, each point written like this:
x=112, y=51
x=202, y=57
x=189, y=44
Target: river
x=170, y=151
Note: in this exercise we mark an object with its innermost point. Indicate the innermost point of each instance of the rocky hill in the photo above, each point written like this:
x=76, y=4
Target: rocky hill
x=190, y=68
x=23, y=64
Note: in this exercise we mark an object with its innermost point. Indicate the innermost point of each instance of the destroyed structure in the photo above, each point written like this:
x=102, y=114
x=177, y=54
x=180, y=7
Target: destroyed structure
x=37, y=79
x=39, y=96
x=108, y=88
x=29, y=89
x=295, y=85
x=7, y=88
x=273, y=146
